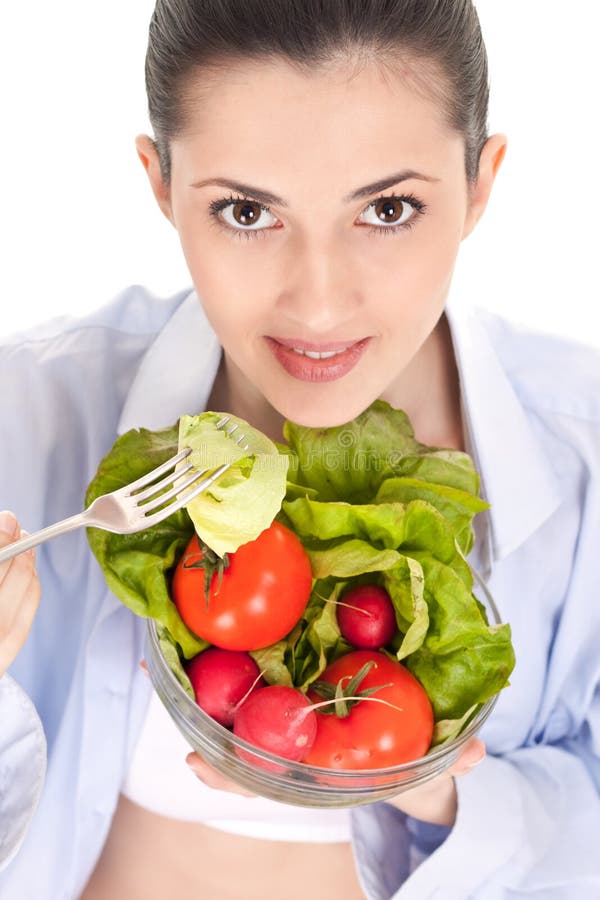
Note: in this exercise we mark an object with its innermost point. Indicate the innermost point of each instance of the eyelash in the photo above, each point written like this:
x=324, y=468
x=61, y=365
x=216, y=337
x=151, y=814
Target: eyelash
x=218, y=205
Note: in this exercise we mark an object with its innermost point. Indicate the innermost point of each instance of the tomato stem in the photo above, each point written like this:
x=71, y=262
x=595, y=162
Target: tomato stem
x=210, y=562
x=346, y=697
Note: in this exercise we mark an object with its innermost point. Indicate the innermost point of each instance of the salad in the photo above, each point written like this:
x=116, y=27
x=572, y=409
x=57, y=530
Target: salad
x=317, y=598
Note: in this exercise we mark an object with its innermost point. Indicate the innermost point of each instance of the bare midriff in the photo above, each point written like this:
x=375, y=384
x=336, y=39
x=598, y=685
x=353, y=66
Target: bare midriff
x=150, y=857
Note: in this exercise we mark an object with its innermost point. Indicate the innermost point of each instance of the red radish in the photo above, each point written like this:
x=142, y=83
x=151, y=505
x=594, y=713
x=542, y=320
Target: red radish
x=278, y=719
x=368, y=621
x=221, y=678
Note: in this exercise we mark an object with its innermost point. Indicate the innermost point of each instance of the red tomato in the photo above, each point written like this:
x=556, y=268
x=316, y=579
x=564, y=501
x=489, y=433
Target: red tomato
x=373, y=735
x=262, y=595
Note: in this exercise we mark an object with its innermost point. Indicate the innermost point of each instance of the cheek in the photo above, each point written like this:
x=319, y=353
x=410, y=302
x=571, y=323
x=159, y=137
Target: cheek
x=232, y=276
x=407, y=278
x=415, y=265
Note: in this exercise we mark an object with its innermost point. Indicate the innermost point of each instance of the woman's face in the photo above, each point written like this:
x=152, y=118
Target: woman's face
x=356, y=241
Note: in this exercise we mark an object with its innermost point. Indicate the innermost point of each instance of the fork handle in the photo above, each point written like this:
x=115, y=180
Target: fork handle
x=32, y=540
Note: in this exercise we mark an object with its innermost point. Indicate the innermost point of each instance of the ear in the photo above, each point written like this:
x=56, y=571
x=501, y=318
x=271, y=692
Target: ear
x=148, y=154
x=490, y=161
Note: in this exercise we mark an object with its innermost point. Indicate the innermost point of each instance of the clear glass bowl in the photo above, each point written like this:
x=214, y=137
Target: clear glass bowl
x=297, y=783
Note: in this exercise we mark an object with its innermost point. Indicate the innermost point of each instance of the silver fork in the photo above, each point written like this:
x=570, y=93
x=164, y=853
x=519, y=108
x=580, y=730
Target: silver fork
x=132, y=508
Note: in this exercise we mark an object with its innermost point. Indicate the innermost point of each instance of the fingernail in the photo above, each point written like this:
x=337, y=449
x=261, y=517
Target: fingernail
x=8, y=523
x=476, y=761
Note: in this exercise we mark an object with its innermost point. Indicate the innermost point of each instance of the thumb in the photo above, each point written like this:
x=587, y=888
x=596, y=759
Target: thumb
x=471, y=755
x=8, y=527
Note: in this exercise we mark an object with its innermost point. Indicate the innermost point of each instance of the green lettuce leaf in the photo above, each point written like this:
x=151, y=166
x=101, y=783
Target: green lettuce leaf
x=447, y=729
x=463, y=661
x=170, y=652
x=273, y=661
x=348, y=558
x=405, y=527
x=137, y=566
x=405, y=584
x=457, y=506
x=449, y=468
x=349, y=462
x=320, y=641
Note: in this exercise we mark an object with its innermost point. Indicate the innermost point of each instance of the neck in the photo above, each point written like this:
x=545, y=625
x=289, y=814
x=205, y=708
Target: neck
x=428, y=391
x=232, y=393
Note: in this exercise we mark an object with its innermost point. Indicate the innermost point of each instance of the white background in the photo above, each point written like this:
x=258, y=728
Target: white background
x=80, y=223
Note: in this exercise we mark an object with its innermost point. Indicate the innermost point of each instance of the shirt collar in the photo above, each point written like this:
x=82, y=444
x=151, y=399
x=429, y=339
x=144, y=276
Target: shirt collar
x=517, y=478
x=178, y=370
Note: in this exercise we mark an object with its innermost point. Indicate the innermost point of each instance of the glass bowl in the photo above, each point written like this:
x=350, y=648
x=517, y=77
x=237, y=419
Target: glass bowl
x=297, y=783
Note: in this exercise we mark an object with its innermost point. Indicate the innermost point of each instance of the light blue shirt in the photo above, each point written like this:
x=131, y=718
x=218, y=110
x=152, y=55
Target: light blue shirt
x=528, y=820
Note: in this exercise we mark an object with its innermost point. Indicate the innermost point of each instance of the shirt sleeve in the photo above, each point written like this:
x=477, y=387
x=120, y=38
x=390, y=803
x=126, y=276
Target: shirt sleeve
x=527, y=826
x=22, y=766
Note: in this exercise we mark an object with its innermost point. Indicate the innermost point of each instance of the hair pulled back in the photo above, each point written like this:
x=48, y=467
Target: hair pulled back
x=187, y=36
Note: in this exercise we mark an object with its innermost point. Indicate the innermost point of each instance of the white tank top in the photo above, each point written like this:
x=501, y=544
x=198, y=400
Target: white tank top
x=160, y=780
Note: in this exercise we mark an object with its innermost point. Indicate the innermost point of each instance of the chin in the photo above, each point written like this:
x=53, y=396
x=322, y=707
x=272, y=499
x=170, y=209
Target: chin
x=322, y=415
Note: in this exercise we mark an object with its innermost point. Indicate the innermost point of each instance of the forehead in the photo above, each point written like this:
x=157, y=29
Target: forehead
x=270, y=115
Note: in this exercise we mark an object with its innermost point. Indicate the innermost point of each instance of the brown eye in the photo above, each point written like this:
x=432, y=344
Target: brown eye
x=389, y=210
x=246, y=213
x=243, y=215
x=389, y=213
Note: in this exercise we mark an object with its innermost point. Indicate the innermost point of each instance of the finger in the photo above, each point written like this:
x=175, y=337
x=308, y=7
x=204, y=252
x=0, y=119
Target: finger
x=26, y=559
x=8, y=527
x=16, y=634
x=471, y=755
x=9, y=530
x=15, y=580
x=144, y=668
x=213, y=779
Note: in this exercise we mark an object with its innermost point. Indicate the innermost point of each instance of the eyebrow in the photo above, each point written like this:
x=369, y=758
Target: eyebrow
x=267, y=198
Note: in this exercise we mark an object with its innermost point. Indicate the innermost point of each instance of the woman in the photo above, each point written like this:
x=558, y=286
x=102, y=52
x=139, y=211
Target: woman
x=291, y=140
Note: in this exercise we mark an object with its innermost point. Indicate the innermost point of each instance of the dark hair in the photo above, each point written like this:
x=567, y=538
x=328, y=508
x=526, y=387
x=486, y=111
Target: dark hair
x=189, y=36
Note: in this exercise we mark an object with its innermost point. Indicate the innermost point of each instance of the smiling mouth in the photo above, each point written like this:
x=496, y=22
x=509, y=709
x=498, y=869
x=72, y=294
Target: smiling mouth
x=308, y=361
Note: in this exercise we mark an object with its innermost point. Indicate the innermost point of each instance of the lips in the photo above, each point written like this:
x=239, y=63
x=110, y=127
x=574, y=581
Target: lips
x=304, y=368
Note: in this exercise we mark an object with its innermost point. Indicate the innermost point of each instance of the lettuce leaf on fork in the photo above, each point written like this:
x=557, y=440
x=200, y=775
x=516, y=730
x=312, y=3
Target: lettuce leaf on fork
x=245, y=499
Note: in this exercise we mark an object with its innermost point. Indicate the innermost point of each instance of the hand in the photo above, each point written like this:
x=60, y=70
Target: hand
x=212, y=778
x=436, y=801
x=19, y=593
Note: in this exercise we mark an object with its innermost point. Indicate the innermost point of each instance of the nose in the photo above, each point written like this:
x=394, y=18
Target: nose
x=319, y=292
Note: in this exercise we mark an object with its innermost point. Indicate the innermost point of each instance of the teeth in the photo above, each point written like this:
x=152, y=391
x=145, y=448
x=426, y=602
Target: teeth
x=314, y=355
